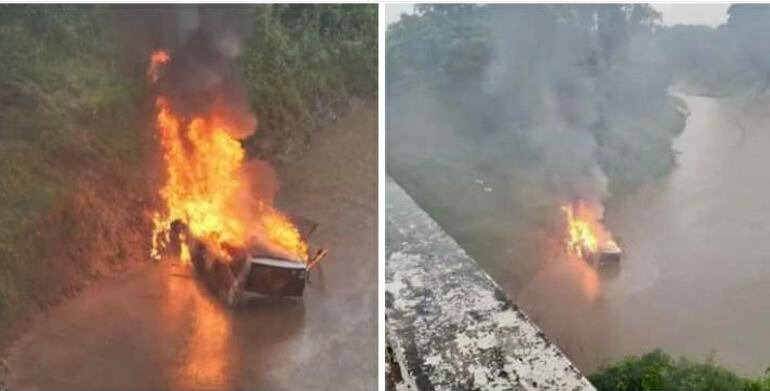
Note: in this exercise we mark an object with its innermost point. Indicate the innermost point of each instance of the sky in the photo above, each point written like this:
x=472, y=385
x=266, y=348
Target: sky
x=393, y=12
x=708, y=14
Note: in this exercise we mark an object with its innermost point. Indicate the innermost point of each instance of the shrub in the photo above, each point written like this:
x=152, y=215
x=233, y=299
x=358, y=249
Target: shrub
x=659, y=371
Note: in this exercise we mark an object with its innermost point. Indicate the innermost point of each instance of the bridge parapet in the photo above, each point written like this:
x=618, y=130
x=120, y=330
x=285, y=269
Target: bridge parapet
x=449, y=326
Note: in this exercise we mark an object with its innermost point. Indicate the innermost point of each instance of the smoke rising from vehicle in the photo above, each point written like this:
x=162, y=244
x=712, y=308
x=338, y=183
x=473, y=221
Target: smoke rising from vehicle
x=202, y=115
x=553, y=98
x=204, y=42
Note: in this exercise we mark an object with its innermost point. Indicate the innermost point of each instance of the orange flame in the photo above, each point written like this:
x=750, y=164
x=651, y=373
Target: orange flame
x=205, y=184
x=586, y=234
x=158, y=58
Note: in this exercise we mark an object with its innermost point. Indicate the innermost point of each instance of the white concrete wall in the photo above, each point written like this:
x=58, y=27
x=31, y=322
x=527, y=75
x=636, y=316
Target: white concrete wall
x=449, y=324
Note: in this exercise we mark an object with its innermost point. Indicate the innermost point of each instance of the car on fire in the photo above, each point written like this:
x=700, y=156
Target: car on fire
x=608, y=253
x=252, y=272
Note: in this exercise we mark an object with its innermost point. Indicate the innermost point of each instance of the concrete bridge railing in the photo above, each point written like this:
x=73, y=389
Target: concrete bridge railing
x=449, y=326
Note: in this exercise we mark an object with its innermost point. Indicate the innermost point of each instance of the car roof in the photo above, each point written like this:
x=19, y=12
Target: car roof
x=282, y=263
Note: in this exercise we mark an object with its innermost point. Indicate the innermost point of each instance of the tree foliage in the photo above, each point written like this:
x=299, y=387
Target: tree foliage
x=731, y=58
x=659, y=371
x=302, y=64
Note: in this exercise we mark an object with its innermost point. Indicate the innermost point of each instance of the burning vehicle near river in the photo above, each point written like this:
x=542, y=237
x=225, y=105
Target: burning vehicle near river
x=588, y=238
x=248, y=272
x=216, y=208
x=609, y=254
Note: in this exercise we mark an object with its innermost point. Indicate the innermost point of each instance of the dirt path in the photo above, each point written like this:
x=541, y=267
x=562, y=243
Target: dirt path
x=157, y=328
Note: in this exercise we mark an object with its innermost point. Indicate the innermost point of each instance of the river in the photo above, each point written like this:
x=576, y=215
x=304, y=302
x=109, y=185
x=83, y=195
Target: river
x=695, y=280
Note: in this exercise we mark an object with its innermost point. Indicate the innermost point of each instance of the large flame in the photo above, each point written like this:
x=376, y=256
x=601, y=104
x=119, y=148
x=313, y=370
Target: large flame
x=586, y=234
x=205, y=185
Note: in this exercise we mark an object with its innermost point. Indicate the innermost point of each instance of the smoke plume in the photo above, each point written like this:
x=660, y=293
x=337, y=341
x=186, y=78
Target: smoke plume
x=204, y=42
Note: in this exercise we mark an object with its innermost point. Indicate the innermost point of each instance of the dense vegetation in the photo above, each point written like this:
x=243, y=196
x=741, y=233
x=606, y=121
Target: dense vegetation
x=659, y=371
x=302, y=64
x=73, y=113
x=728, y=59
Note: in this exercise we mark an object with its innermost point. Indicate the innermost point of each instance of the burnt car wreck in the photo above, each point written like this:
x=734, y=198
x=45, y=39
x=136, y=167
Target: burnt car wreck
x=607, y=255
x=253, y=272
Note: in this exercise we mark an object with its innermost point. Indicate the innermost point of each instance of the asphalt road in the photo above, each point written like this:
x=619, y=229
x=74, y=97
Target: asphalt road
x=156, y=327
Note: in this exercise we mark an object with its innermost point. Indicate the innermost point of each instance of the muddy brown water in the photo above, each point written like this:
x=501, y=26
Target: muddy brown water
x=695, y=280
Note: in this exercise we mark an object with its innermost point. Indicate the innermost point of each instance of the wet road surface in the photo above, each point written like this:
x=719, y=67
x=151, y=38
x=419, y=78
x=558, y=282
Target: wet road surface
x=157, y=328
x=695, y=280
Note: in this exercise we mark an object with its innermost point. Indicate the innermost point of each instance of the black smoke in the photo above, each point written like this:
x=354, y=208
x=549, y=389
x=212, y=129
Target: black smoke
x=204, y=42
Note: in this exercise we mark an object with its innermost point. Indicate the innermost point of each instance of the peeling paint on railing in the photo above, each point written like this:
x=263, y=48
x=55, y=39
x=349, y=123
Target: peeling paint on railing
x=449, y=325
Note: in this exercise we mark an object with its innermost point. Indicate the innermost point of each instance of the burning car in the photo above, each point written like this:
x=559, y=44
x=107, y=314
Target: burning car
x=607, y=254
x=256, y=271
x=215, y=206
x=588, y=238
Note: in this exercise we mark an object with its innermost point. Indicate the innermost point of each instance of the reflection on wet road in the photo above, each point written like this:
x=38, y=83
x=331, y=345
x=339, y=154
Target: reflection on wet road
x=207, y=359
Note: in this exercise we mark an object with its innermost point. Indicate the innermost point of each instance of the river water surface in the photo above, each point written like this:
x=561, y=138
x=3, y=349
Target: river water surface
x=695, y=280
